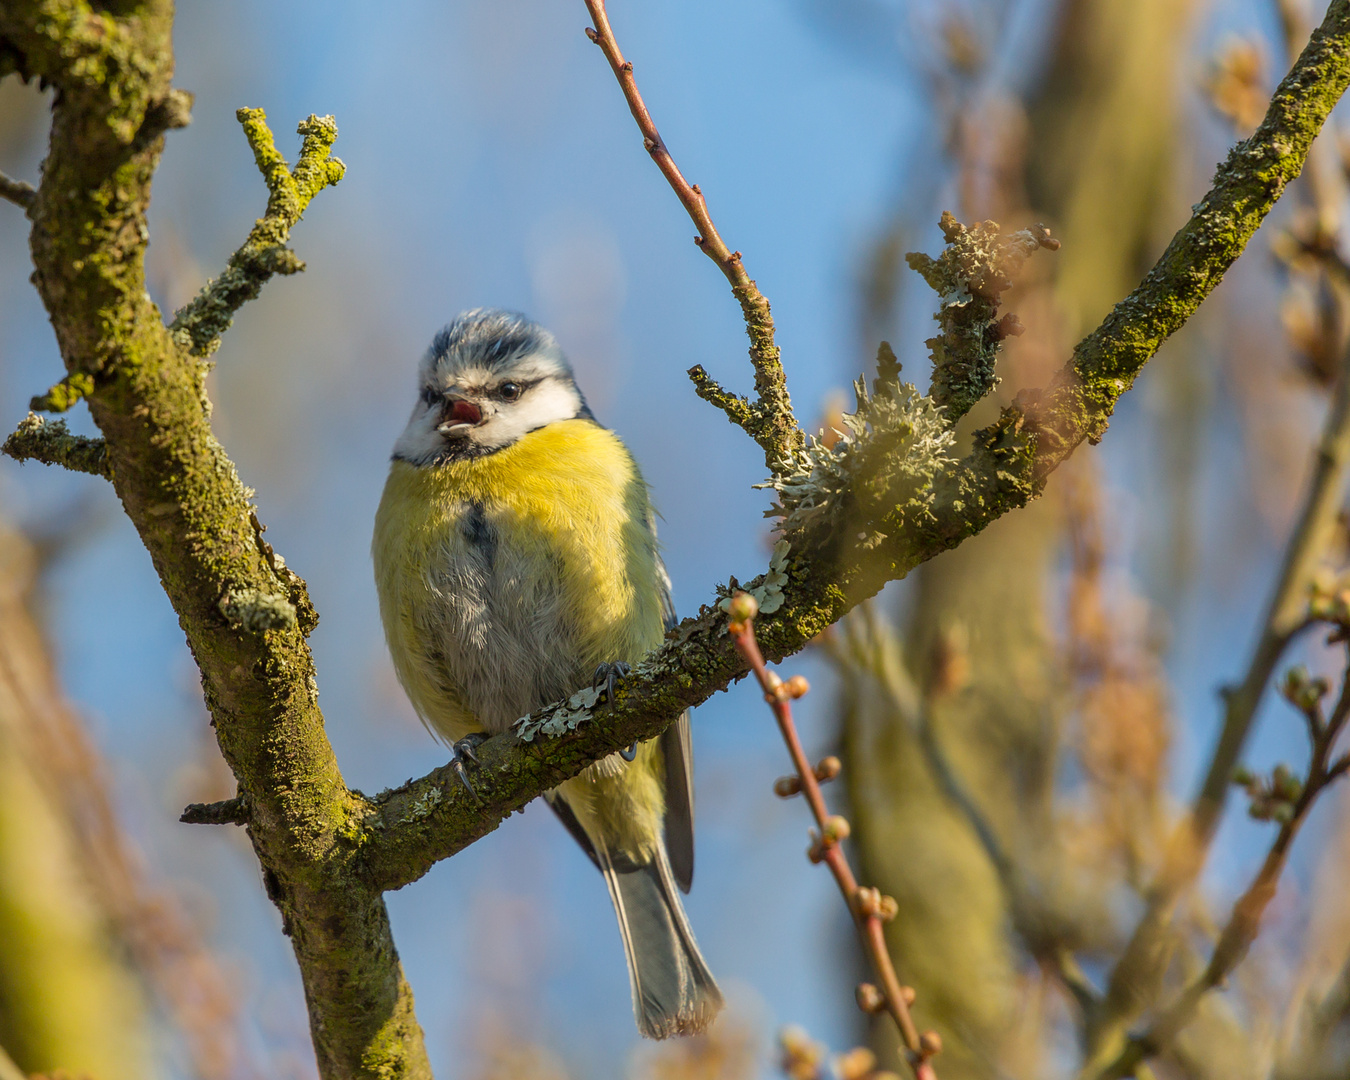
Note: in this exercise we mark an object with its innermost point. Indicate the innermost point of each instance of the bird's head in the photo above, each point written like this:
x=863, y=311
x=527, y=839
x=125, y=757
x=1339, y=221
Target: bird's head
x=489, y=377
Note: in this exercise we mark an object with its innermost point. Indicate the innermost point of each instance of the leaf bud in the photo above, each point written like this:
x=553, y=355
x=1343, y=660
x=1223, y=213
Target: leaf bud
x=930, y=1044
x=867, y=901
x=797, y=686
x=857, y=1064
x=787, y=786
x=836, y=829
x=828, y=768
x=743, y=608
x=888, y=909
x=870, y=998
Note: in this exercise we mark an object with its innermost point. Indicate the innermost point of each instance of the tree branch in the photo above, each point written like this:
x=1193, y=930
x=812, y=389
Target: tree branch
x=1287, y=801
x=769, y=420
x=870, y=910
x=18, y=192
x=1135, y=979
x=51, y=443
x=407, y=830
x=192, y=512
x=200, y=323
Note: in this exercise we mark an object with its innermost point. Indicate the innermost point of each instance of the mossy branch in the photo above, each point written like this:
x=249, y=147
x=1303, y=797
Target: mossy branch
x=199, y=324
x=977, y=266
x=50, y=442
x=327, y=852
x=407, y=830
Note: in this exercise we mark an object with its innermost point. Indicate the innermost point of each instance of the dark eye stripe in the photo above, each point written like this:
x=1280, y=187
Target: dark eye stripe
x=430, y=395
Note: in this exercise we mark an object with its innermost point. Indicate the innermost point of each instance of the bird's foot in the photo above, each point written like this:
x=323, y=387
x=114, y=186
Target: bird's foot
x=462, y=751
x=609, y=675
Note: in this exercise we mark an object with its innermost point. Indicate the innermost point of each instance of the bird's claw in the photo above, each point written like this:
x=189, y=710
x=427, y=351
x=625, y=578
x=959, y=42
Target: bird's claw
x=609, y=675
x=464, y=750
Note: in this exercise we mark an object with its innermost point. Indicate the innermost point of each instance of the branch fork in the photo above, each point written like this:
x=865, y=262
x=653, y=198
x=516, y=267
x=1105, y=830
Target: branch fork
x=199, y=324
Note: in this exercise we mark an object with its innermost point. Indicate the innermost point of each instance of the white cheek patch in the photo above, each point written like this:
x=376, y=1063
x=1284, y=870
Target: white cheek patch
x=420, y=442
x=545, y=403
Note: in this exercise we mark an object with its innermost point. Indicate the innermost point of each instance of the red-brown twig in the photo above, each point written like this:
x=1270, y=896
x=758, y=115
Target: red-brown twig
x=869, y=908
x=1282, y=799
x=769, y=421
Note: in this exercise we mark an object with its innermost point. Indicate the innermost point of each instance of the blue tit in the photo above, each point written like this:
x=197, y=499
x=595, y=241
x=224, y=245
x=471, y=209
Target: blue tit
x=516, y=561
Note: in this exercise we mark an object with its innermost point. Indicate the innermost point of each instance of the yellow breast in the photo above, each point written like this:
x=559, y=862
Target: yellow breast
x=562, y=578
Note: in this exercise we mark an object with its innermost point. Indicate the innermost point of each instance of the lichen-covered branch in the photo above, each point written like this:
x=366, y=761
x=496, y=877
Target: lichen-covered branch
x=200, y=323
x=51, y=443
x=768, y=420
x=410, y=828
x=977, y=266
x=114, y=101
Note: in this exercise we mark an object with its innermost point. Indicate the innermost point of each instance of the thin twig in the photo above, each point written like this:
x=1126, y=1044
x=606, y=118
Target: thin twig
x=1286, y=615
x=1056, y=958
x=199, y=324
x=18, y=192
x=769, y=421
x=1244, y=923
x=870, y=910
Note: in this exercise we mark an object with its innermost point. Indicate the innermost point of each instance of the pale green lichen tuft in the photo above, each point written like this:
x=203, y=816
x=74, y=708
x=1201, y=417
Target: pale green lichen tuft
x=577, y=708
x=256, y=611
x=768, y=593
x=890, y=455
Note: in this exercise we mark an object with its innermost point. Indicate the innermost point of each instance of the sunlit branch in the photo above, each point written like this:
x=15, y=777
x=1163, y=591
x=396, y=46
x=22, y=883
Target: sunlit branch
x=769, y=420
x=870, y=910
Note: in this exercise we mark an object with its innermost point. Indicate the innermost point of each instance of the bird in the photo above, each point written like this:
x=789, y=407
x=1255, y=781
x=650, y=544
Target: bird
x=516, y=561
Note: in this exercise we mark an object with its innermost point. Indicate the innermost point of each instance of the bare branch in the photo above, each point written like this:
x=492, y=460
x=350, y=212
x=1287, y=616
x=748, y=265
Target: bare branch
x=769, y=420
x=1135, y=978
x=199, y=324
x=870, y=910
x=1244, y=923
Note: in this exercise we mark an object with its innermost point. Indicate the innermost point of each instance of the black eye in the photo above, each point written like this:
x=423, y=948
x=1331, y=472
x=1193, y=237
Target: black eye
x=430, y=395
x=509, y=391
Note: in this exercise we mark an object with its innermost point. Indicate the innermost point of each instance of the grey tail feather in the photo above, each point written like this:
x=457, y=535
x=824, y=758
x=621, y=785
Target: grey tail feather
x=674, y=993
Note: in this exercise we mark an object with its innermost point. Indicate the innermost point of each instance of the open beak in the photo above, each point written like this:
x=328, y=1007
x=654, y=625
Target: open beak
x=459, y=417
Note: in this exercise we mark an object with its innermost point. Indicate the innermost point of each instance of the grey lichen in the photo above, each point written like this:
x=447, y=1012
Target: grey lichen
x=256, y=611
x=576, y=709
x=768, y=593
x=977, y=266
x=897, y=443
x=50, y=442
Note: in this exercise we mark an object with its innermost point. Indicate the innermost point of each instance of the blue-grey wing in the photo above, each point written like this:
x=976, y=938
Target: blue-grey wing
x=677, y=748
